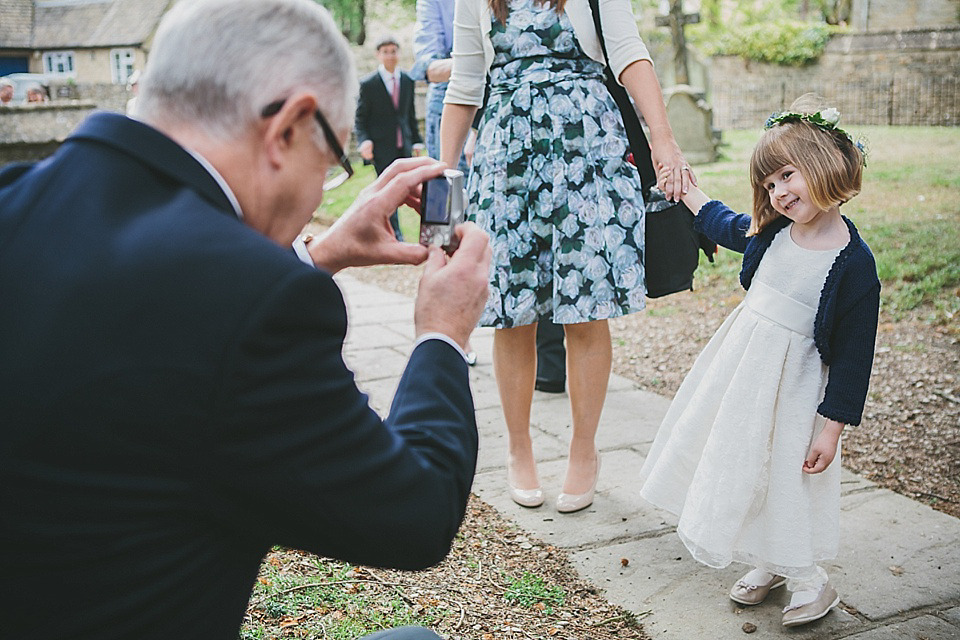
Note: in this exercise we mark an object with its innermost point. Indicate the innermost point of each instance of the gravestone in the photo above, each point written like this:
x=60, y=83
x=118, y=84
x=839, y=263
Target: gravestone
x=691, y=119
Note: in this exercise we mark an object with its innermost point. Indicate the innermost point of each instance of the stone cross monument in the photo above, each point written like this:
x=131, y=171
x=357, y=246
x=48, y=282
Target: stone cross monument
x=690, y=116
x=677, y=20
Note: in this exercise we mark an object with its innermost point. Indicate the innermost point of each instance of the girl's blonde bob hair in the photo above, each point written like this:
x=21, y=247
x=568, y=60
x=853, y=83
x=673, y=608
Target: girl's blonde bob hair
x=829, y=161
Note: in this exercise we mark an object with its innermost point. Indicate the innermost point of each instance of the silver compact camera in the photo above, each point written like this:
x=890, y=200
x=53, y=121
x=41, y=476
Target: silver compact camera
x=442, y=207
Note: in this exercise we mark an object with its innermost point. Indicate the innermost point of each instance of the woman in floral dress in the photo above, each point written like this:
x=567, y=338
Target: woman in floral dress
x=550, y=184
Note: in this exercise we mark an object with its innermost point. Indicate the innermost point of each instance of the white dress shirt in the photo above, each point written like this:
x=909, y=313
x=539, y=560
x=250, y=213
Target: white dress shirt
x=389, y=78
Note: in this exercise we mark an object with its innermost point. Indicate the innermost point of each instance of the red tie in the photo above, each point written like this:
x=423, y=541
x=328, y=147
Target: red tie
x=395, y=94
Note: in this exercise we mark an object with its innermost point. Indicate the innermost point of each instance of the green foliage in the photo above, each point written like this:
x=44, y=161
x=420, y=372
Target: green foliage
x=530, y=590
x=784, y=42
x=836, y=11
x=351, y=17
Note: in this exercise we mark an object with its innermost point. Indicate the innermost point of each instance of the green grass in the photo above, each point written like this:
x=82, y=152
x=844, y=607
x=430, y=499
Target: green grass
x=329, y=599
x=908, y=212
x=530, y=590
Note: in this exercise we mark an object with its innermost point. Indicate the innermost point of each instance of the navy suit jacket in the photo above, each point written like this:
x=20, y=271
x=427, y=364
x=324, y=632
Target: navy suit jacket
x=377, y=119
x=173, y=401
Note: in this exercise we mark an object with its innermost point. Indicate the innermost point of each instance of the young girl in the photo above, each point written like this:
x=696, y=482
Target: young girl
x=748, y=453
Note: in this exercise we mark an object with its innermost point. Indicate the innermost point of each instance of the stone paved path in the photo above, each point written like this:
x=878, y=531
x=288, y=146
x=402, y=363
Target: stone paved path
x=898, y=573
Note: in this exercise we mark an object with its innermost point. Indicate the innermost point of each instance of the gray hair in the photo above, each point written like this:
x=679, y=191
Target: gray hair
x=216, y=64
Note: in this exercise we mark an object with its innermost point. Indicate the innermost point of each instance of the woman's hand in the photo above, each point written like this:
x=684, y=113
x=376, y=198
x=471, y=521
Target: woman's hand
x=641, y=82
x=692, y=195
x=824, y=448
x=674, y=175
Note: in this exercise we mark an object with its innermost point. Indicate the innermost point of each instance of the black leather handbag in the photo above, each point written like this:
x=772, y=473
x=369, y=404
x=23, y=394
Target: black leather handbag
x=671, y=245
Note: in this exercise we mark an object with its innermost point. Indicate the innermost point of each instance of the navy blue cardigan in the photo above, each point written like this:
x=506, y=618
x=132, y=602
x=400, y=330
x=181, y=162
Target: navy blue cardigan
x=845, y=329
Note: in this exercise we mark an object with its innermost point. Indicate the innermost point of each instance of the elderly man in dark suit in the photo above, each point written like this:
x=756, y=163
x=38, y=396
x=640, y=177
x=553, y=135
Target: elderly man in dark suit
x=173, y=399
x=386, y=121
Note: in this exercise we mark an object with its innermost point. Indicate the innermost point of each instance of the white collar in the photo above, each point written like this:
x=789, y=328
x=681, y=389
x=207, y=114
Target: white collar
x=227, y=191
x=386, y=76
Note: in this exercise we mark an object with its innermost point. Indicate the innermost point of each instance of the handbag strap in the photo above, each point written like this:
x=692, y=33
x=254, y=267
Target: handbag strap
x=635, y=134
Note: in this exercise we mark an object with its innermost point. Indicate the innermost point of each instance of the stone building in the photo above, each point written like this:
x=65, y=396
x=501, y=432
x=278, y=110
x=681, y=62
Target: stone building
x=78, y=42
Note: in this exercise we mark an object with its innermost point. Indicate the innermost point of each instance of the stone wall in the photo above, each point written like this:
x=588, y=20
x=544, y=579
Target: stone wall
x=905, y=77
x=32, y=132
x=873, y=15
x=108, y=97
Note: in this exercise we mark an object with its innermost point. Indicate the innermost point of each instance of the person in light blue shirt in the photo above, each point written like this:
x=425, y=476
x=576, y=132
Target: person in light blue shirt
x=432, y=46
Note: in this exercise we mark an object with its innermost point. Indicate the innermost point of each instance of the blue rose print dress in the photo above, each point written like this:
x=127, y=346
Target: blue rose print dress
x=549, y=181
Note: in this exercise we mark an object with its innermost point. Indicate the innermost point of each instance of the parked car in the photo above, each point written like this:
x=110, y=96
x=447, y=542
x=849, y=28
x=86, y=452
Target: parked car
x=21, y=81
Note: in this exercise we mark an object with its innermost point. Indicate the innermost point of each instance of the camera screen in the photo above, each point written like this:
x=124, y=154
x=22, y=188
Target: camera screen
x=436, y=195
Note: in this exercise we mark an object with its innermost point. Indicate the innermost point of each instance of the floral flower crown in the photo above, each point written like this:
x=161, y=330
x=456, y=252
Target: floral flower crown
x=826, y=119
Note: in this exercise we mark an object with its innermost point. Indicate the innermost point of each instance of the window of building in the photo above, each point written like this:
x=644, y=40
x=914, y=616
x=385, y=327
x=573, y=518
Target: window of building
x=59, y=63
x=121, y=65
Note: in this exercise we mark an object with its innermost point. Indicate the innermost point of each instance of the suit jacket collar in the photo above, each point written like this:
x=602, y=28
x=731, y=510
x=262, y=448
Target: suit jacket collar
x=154, y=149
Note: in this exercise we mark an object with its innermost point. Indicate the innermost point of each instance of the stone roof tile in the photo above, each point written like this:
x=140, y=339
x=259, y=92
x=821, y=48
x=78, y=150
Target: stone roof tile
x=16, y=24
x=95, y=23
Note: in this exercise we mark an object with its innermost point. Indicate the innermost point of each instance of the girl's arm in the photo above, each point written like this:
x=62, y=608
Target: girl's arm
x=852, y=344
x=717, y=221
x=824, y=448
x=695, y=198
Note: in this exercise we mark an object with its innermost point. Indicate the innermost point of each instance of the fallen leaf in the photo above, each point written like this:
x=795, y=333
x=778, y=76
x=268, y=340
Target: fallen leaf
x=896, y=570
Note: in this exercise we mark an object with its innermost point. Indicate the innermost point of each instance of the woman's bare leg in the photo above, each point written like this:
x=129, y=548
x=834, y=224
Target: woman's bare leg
x=589, y=358
x=515, y=367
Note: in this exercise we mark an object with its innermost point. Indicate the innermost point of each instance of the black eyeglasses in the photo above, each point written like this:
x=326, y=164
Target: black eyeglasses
x=335, y=177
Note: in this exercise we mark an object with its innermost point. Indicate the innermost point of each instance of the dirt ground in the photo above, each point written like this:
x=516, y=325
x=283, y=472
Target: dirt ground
x=476, y=593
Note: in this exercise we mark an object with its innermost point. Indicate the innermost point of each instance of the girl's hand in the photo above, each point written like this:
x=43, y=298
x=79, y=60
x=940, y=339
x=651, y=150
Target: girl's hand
x=824, y=448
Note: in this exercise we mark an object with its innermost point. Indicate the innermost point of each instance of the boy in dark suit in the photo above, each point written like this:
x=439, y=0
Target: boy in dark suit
x=386, y=121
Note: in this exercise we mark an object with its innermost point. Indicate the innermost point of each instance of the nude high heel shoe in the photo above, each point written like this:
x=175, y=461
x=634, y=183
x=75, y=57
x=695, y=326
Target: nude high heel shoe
x=568, y=503
x=529, y=498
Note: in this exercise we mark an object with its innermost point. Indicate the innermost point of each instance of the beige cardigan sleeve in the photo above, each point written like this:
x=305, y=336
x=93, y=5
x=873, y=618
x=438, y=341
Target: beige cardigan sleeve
x=624, y=45
x=473, y=50
x=472, y=53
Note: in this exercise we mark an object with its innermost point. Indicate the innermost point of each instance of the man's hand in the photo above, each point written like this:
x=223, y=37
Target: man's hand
x=454, y=289
x=363, y=235
x=366, y=150
x=824, y=448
